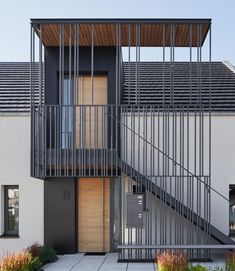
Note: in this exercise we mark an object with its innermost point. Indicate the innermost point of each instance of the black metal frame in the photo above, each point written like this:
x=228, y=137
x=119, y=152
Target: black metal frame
x=8, y=232
x=38, y=21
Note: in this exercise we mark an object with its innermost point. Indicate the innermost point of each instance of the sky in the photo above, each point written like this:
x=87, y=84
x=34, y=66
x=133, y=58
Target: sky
x=15, y=19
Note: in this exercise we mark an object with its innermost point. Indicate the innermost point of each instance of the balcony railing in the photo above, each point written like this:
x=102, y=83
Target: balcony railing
x=104, y=140
x=75, y=140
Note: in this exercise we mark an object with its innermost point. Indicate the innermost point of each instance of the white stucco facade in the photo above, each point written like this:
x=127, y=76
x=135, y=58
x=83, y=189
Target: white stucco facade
x=15, y=170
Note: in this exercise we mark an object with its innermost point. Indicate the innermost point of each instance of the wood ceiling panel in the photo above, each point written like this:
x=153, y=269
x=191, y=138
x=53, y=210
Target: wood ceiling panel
x=50, y=33
x=111, y=28
x=105, y=34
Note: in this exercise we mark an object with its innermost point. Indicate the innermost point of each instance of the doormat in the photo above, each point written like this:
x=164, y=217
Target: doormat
x=95, y=254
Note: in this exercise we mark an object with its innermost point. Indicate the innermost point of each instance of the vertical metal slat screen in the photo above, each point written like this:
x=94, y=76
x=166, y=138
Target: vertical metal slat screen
x=162, y=151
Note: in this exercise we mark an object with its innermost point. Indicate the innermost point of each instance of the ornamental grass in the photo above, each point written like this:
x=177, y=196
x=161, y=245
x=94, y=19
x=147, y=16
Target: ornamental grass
x=172, y=261
x=230, y=261
x=21, y=261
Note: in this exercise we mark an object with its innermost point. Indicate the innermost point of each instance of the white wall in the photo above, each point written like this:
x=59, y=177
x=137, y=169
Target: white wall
x=223, y=167
x=223, y=156
x=15, y=170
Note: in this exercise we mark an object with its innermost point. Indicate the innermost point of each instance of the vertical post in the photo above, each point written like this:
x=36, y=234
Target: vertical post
x=60, y=63
x=31, y=107
x=33, y=103
x=92, y=64
x=77, y=101
x=129, y=60
x=210, y=74
x=33, y=67
x=69, y=109
x=117, y=63
x=163, y=64
x=117, y=91
x=40, y=65
x=55, y=108
x=73, y=104
x=136, y=63
x=189, y=184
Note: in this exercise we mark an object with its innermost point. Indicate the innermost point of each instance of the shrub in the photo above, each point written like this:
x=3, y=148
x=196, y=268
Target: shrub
x=197, y=268
x=45, y=253
x=35, y=264
x=230, y=261
x=21, y=261
x=35, y=250
x=172, y=261
x=48, y=255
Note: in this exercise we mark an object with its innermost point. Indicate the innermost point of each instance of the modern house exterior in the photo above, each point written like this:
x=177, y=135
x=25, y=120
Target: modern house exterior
x=126, y=155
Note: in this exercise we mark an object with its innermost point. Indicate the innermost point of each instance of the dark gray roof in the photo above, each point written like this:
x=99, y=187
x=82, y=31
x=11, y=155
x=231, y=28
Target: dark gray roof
x=15, y=86
x=151, y=85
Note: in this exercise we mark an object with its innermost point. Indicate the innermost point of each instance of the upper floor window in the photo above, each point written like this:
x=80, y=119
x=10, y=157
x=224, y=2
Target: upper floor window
x=11, y=210
x=88, y=116
x=67, y=114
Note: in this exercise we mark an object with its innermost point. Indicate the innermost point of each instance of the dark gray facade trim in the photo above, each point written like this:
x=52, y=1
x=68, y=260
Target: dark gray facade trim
x=118, y=20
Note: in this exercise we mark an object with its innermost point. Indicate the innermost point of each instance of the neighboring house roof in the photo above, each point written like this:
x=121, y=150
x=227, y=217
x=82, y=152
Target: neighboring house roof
x=151, y=84
x=15, y=86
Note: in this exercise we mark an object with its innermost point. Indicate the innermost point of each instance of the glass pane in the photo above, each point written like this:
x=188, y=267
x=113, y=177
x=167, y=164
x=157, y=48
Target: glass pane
x=13, y=209
x=67, y=114
x=232, y=209
x=116, y=212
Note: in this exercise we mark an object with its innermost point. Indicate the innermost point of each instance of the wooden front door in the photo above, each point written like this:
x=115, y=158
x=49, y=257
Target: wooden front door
x=93, y=214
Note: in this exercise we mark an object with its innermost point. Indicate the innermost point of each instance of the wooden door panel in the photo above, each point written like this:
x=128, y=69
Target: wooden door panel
x=93, y=214
x=90, y=121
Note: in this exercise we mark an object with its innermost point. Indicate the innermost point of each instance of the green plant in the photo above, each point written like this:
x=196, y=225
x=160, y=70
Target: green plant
x=48, y=255
x=172, y=261
x=44, y=253
x=35, y=264
x=197, y=268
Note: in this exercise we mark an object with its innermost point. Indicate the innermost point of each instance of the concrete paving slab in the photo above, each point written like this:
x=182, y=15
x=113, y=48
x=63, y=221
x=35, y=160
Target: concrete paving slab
x=140, y=266
x=111, y=258
x=113, y=266
x=65, y=262
x=53, y=268
x=86, y=267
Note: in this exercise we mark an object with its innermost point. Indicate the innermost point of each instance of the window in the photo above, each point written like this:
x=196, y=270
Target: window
x=11, y=206
x=232, y=209
x=67, y=114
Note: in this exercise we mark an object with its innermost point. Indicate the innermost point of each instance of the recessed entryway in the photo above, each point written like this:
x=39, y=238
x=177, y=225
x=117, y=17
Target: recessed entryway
x=93, y=214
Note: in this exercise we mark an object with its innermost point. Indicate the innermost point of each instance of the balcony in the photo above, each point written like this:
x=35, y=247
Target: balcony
x=75, y=140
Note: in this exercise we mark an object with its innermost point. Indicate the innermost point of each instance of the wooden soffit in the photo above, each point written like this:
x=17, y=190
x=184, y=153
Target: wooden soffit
x=182, y=33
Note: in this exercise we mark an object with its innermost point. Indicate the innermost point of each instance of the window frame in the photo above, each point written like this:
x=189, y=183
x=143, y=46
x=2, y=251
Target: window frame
x=8, y=232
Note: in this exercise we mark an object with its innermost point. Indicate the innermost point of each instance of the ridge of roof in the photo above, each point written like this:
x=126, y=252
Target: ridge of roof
x=229, y=65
